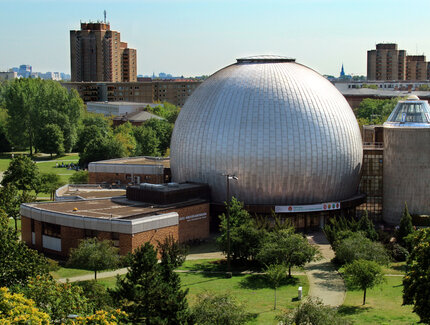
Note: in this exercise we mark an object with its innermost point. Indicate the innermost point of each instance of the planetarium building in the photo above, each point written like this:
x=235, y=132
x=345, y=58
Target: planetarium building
x=285, y=132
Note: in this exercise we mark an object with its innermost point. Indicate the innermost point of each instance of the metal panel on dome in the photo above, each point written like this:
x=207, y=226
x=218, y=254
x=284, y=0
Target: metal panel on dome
x=284, y=130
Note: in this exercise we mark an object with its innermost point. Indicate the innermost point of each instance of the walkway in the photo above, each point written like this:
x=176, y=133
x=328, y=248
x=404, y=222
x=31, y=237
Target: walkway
x=324, y=281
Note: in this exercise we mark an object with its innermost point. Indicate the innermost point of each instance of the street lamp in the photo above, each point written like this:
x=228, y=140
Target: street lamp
x=228, y=178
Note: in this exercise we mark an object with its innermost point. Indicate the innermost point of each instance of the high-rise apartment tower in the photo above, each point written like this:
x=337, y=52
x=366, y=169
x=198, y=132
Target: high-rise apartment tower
x=387, y=62
x=97, y=54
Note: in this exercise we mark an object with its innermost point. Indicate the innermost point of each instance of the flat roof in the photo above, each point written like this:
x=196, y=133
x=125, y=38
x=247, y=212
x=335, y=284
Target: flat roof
x=108, y=208
x=123, y=103
x=92, y=193
x=160, y=161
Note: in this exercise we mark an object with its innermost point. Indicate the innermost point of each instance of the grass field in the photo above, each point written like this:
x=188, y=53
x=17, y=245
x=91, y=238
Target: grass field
x=383, y=305
x=251, y=290
x=67, y=272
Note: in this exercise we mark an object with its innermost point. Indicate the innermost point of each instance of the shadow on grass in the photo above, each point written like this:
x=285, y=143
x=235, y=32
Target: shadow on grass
x=352, y=310
x=200, y=282
x=215, y=268
x=259, y=281
x=400, y=268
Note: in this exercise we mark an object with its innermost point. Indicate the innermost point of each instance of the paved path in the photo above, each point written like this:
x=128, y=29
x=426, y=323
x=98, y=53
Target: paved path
x=324, y=281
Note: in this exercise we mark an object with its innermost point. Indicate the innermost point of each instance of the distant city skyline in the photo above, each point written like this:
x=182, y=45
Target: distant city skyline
x=192, y=38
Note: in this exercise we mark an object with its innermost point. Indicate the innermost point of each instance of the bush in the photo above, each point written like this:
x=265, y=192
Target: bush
x=311, y=311
x=357, y=246
x=218, y=309
x=96, y=294
x=397, y=252
x=52, y=265
x=80, y=177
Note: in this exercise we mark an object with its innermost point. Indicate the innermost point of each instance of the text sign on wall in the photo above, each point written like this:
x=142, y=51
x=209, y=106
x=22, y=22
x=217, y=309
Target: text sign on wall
x=194, y=217
x=307, y=208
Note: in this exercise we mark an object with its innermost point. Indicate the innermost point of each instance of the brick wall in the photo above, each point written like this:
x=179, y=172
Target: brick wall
x=96, y=178
x=152, y=236
x=196, y=227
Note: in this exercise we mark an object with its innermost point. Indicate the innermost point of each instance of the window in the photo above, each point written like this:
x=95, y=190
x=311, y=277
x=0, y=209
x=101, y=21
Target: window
x=88, y=233
x=32, y=225
x=51, y=230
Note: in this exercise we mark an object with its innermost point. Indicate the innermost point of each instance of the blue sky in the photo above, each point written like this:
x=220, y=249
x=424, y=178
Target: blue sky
x=195, y=37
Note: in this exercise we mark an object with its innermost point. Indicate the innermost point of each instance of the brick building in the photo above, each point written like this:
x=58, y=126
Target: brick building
x=97, y=54
x=134, y=170
x=56, y=227
x=173, y=91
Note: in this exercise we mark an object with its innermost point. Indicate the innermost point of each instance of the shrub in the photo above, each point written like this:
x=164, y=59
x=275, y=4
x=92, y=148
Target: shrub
x=397, y=252
x=311, y=311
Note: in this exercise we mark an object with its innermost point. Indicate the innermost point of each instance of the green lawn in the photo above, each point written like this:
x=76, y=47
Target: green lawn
x=383, y=305
x=67, y=272
x=252, y=290
x=12, y=223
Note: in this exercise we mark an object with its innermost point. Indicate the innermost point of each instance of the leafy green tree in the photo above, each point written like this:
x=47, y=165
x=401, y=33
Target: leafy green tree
x=101, y=149
x=124, y=134
x=94, y=255
x=49, y=183
x=16, y=309
x=56, y=299
x=147, y=143
x=245, y=238
x=50, y=139
x=5, y=144
x=23, y=173
x=357, y=246
x=312, y=311
x=169, y=111
x=363, y=275
x=286, y=248
x=140, y=292
x=276, y=273
x=18, y=262
x=10, y=202
x=405, y=228
x=80, y=177
x=163, y=129
x=96, y=293
x=33, y=103
x=102, y=317
x=92, y=126
x=416, y=284
x=375, y=111
x=218, y=309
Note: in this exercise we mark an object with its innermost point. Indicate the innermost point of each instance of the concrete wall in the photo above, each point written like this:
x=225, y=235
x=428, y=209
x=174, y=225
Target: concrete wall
x=406, y=172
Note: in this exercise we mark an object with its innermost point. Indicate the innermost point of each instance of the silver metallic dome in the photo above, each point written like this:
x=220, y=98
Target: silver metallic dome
x=284, y=130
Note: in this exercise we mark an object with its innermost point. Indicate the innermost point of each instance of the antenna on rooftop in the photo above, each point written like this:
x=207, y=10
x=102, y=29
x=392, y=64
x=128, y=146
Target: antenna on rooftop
x=105, y=15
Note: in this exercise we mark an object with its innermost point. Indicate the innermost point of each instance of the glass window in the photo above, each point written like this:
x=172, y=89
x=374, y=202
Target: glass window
x=49, y=229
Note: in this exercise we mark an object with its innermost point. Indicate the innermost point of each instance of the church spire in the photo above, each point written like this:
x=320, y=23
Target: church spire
x=342, y=72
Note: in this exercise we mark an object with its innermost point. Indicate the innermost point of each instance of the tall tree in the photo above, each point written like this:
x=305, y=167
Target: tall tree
x=100, y=149
x=405, y=228
x=33, y=103
x=94, y=255
x=363, y=275
x=49, y=183
x=163, y=129
x=140, y=292
x=50, y=139
x=23, y=173
x=416, y=284
x=147, y=143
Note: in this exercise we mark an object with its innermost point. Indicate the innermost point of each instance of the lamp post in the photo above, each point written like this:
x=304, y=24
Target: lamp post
x=228, y=178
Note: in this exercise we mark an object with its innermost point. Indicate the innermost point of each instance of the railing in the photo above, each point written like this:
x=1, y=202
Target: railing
x=373, y=145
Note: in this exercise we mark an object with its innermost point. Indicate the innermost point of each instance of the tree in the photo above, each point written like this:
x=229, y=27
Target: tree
x=33, y=103
x=49, y=183
x=175, y=306
x=276, y=274
x=10, y=202
x=96, y=293
x=50, y=139
x=405, y=228
x=80, y=177
x=163, y=129
x=366, y=226
x=111, y=317
x=375, y=111
x=140, y=292
x=147, y=142
x=218, y=309
x=357, y=246
x=92, y=126
x=16, y=309
x=56, y=299
x=101, y=149
x=362, y=274
x=416, y=285
x=23, y=173
x=312, y=311
x=286, y=248
x=245, y=239
x=18, y=262
x=94, y=255
x=124, y=134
